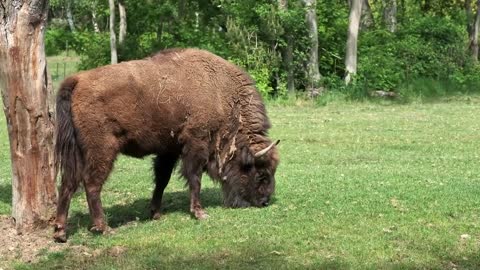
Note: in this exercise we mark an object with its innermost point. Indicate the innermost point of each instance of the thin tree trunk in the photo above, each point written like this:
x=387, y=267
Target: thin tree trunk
x=390, y=14
x=113, y=37
x=160, y=30
x=472, y=28
x=367, y=20
x=94, y=18
x=469, y=13
x=476, y=28
x=28, y=105
x=352, y=40
x=123, y=22
x=313, y=73
x=70, y=15
x=288, y=52
x=401, y=11
x=427, y=5
x=182, y=9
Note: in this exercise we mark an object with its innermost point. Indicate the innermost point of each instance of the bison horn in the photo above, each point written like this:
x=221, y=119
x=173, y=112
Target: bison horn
x=264, y=151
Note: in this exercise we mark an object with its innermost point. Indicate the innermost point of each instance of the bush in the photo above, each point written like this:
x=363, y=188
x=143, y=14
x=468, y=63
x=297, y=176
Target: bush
x=427, y=57
x=57, y=40
x=94, y=49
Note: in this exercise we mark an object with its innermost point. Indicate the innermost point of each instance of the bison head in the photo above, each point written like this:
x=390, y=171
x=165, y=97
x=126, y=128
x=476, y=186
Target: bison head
x=249, y=178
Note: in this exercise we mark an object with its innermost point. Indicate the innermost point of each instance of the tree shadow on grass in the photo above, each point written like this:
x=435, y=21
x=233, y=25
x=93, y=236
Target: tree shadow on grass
x=464, y=260
x=252, y=254
x=119, y=215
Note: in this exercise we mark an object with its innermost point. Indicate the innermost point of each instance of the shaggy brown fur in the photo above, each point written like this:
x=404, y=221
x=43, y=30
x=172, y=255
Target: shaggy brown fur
x=183, y=103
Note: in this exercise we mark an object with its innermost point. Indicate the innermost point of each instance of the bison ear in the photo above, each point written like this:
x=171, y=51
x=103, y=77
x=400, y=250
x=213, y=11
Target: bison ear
x=247, y=157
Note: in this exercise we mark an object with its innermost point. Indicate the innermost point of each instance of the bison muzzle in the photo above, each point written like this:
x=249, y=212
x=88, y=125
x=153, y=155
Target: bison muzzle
x=185, y=104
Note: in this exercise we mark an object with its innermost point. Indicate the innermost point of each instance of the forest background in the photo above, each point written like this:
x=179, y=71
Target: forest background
x=405, y=49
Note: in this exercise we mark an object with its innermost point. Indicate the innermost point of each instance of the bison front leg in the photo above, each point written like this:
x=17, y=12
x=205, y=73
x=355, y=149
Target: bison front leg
x=163, y=167
x=194, y=183
x=194, y=159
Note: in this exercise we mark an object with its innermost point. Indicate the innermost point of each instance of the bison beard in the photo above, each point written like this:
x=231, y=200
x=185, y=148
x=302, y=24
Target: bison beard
x=183, y=104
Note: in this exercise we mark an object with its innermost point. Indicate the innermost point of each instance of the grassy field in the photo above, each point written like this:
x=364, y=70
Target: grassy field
x=360, y=186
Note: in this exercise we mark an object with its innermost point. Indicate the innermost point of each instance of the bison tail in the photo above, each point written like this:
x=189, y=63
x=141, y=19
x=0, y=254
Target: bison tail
x=68, y=153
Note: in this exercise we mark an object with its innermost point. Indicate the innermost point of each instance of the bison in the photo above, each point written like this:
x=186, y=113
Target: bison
x=185, y=104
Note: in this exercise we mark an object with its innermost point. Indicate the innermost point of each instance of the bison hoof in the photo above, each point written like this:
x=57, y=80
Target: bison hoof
x=156, y=215
x=60, y=236
x=200, y=214
x=101, y=229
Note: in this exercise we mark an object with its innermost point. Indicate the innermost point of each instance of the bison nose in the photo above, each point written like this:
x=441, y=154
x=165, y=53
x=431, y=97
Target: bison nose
x=264, y=202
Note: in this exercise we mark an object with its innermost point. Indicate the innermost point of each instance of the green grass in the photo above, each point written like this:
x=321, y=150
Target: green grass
x=360, y=186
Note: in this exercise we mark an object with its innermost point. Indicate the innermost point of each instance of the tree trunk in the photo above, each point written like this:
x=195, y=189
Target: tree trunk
x=473, y=24
x=476, y=26
x=94, y=18
x=287, y=52
x=123, y=22
x=352, y=40
x=313, y=73
x=27, y=99
x=182, y=9
x=367, y=20
x=469, y=13
x=70, y=15
x=427, y=5
x=113, y=37
x=401, y=11
x=390, y=14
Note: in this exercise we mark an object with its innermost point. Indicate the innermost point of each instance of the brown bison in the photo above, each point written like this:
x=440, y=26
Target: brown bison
x=183, y=104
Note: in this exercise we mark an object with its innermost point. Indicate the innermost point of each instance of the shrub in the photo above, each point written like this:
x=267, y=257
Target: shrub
x=427, y=56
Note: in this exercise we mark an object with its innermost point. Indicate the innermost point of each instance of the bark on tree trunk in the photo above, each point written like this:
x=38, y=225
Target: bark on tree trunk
x=352, y=40
x=28, y=104
x=288, y=52
x=367, y=20
x=390, y=14
x=123, y=22
x=70, y=15
x=113, y=37
x=313, y=73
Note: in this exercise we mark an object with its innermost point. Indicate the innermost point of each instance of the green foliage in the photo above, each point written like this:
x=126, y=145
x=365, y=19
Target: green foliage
x=427, y=51
x=426, y=55
x=57, y=40
x=93, y=48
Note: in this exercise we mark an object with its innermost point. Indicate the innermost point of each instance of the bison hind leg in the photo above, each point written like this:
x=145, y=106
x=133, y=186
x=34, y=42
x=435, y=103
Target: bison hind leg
x=98, y=167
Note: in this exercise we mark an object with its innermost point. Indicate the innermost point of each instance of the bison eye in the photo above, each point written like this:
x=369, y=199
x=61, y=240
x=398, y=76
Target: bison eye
x=262, y=178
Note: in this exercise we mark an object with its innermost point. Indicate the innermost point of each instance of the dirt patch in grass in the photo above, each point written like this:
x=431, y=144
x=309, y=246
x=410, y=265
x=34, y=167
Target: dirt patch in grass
x=32, y=247
x=27, y=247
